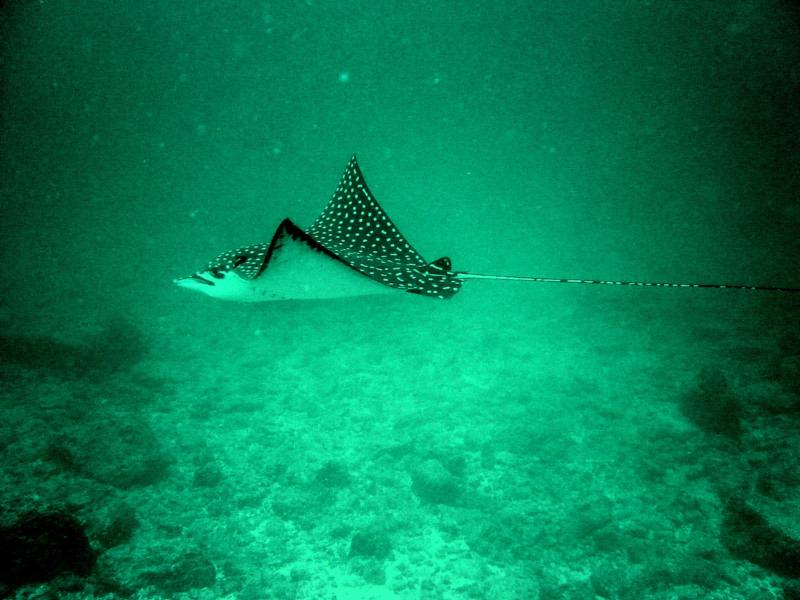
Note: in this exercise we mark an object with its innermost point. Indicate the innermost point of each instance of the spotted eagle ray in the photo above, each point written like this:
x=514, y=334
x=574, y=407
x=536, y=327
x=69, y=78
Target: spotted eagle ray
x=353, y=249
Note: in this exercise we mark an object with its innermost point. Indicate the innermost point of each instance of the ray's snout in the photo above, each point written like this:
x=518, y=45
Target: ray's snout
x=192, y=281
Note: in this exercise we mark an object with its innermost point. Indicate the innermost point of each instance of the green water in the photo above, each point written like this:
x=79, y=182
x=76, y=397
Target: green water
x=519, y=441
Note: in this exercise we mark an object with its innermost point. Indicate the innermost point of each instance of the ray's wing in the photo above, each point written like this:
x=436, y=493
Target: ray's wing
x=247, y=261
x=354, y=223
x=355, y=228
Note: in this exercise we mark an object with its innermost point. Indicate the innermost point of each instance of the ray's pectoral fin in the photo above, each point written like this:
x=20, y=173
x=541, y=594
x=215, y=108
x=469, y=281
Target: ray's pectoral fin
x=296, y=266
x=441, y=264
x=291, y=265
x=436, y=279
x=289, y=240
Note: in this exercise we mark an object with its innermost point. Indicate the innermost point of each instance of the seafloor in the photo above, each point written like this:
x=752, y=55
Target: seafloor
x=520, y=441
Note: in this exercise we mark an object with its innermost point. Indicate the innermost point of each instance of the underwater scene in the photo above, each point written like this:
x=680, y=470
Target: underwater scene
x=350, y=300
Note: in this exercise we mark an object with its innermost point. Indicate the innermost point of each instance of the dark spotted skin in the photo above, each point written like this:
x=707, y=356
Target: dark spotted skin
x=354, y=229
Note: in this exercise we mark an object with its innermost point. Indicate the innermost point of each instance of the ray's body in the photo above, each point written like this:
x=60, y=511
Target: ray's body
x=353, y=249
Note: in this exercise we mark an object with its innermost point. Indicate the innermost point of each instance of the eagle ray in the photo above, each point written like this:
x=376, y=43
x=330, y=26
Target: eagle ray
x=354, y=249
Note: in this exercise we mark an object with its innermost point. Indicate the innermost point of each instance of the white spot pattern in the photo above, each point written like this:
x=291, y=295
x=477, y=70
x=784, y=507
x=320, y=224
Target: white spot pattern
x=246, y=261
x=354, y=227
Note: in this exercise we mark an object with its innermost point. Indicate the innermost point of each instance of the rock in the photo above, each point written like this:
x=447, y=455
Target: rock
x=40, y=546
x=372, y=571
x=118, y=526
x=712, y=406
x=791, y=591
x=301, y=504
x=191, y=570
x=590, y=517
x=789, y=376
x=506, y=537
x=117, y=347
x=747, y=535
x=208, y=475
x=435, y=484
x=372, y=542
x=608, y=580
x=332, y=475
x=124, y=454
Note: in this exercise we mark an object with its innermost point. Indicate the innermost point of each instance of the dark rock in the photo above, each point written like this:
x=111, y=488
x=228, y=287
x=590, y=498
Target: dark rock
x=712, y=406
x=135, y=457
x=780, y=479
x=119, y=527
x=674, y=572
x=125, y=454
x=372, y=542
x=372, y=571
x=191, y=570
x=608, y=539
x=40, y=352
x=291, y=503
x=301, y=504
x=456, y=464
x=59, y=453
x=789, y=376
x=208, y=475
x=608, y=581
x=275, y=585
x=791, y=591
x=298, y=575
x=117, y=347
x=566, y=591
x=339, y=532
x=590, y=517
x=40, y=546
x=435, y=484
x=747, y=535
x=333, y=475
x=504, y=537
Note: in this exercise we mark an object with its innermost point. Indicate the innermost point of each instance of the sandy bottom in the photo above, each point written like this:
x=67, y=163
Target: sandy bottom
x=514, y=442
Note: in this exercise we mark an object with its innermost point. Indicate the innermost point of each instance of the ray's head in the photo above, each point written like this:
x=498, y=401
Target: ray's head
x=226, y=275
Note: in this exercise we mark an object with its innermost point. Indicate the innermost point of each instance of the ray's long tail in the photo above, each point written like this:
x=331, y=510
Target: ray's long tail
x=761, y=288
